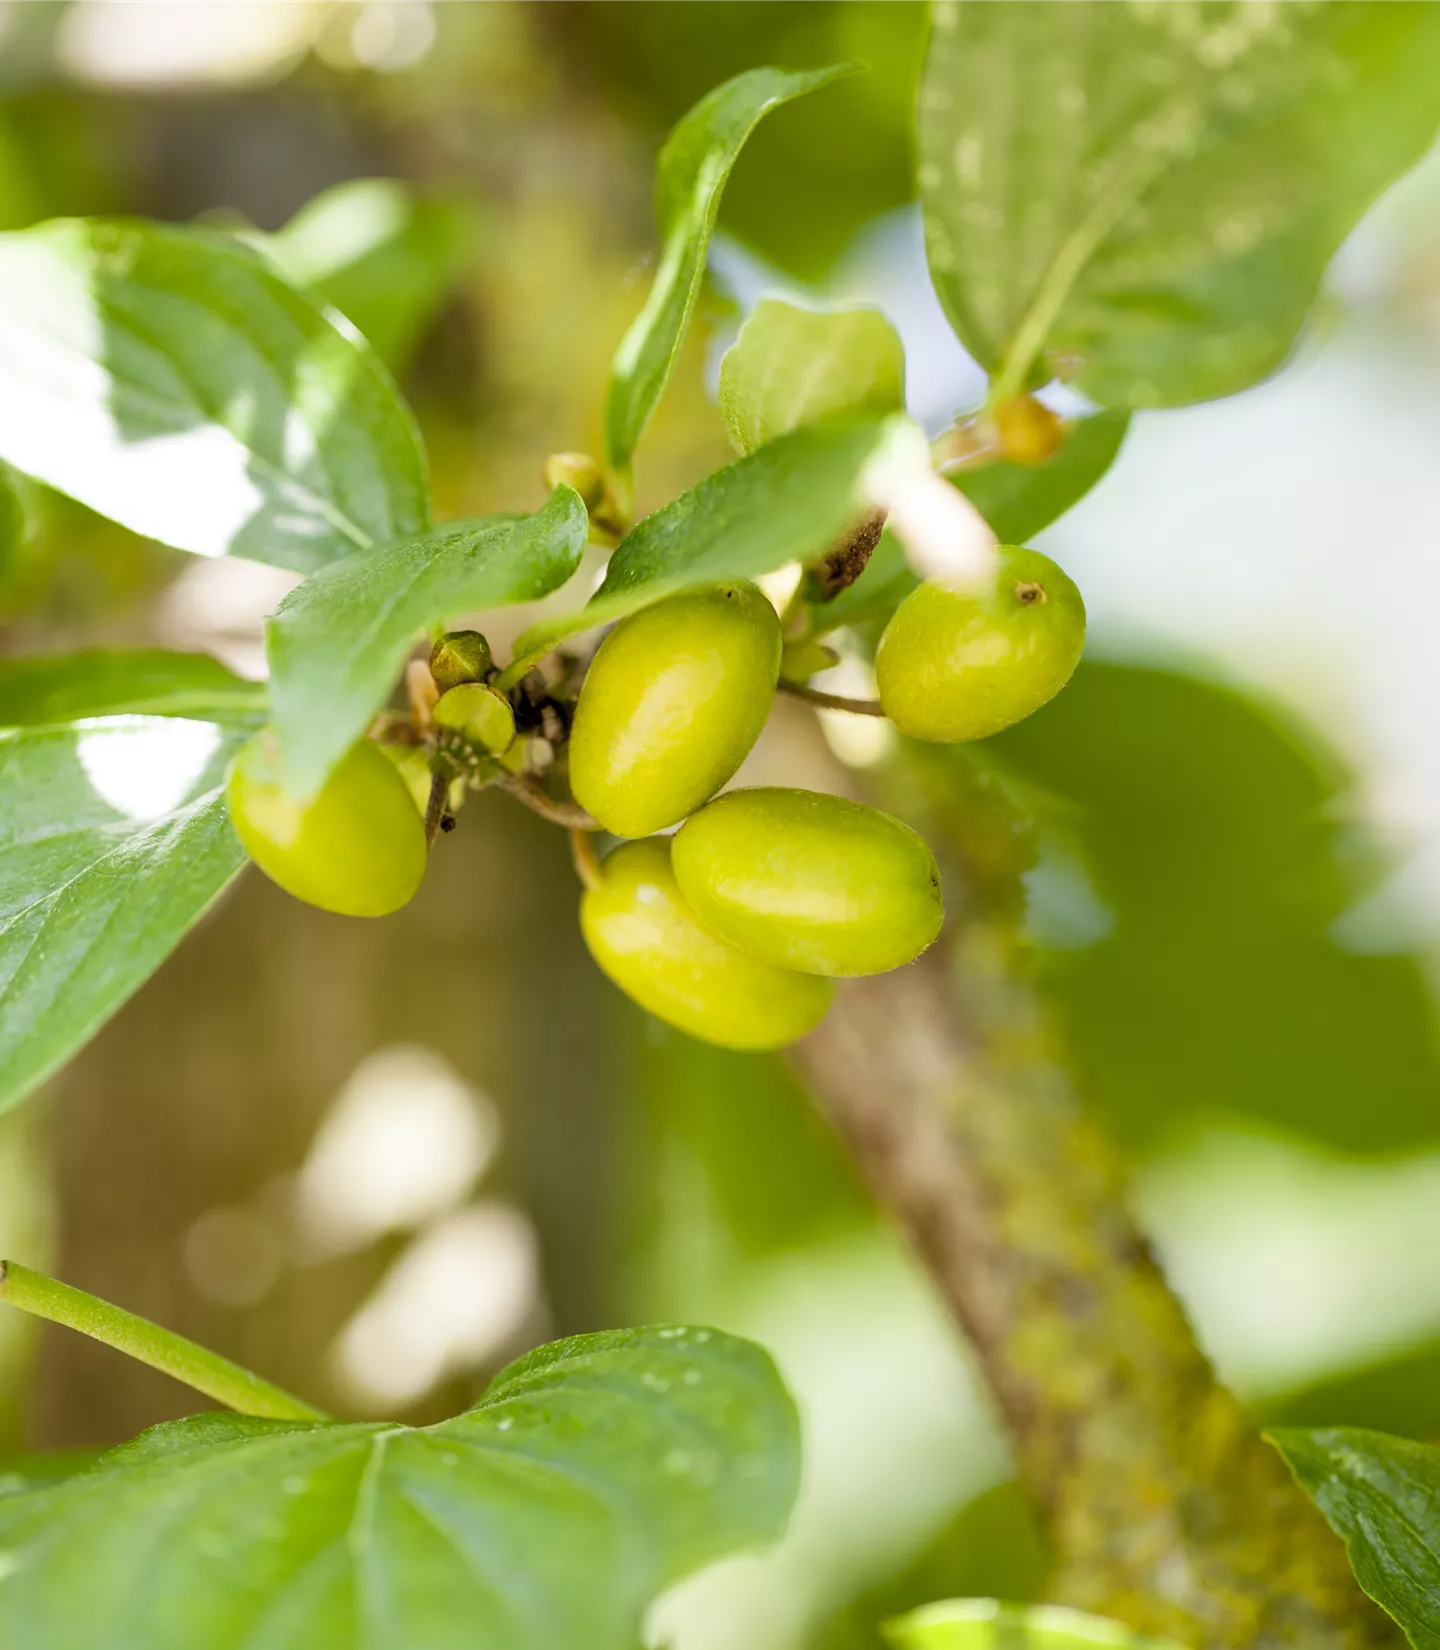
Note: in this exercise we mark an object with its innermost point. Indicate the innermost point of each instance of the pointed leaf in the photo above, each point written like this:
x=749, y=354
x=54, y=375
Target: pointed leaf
x=146, y=681
x=113, y=841
x=789, y=501
x=592, y=1474
x=1144, y=198
x=1381, y=1496
x=337, y=642
x=791, y=367
x=693, y=169
x=171, y=380
x=989, y=1624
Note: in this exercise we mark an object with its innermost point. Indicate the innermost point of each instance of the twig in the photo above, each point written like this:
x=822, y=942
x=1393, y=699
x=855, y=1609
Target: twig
x=833, y=701
x=435, y=805
x=569, y=814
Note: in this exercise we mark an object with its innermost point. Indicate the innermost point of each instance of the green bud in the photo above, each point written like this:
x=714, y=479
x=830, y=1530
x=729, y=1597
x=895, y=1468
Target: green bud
x=479, y=715
x=809, y=881
x=460, y=656
x=580, y=471
x=643, y=934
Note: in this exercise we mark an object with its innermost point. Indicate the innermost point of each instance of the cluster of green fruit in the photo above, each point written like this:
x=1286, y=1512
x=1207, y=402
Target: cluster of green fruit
x=735, y=928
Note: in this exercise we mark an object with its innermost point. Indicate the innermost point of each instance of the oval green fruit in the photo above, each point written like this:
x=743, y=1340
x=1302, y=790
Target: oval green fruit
x=358, y=847
x=809, y=881
x=645, y=937
x=952, y=667
x=676, y=696
x=480, y=716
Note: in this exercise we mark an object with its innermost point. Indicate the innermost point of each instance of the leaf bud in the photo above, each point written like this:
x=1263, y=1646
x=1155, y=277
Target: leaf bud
x=459, y=656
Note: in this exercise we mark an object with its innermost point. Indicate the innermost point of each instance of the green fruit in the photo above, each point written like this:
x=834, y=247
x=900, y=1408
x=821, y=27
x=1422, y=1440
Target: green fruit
x=413, y=766
x=357, y=848
x=675, y=698
x=459, y=656
x=954, y=667
x=808, y=881
x=479, y=714
x=645, y=937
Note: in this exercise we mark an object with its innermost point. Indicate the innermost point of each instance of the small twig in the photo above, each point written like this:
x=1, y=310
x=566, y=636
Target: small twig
x=569, y=814
x=435, y=805
x=198, y=1367
x=833, y=701
x=587, y=863
x=844, y=562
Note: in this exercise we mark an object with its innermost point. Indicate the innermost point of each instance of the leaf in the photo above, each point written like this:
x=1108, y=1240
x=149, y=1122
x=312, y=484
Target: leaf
x=140, y=682
x=1144, y=198
x=789, y=501
x=337, y=642
x=113, y=841
x=592, y=1474
x=791, y=367
x=169, y=379
x=989, y=1624
x=1018, y=500
x=1381, y=1496
x=383, y=256
x=690, y=177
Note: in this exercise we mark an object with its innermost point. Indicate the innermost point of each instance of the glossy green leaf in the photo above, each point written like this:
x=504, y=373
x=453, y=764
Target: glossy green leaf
x=989, y=1624
x=1018, y=500
x=690, y=178
x=171, y=380
x=1144, y=198
x=337, y=642
x=592, y=1474
x=788, y=501
x=113, y=841
x=791, y=367
x=383, y=255
x=1381, y=1496
x=64, y=687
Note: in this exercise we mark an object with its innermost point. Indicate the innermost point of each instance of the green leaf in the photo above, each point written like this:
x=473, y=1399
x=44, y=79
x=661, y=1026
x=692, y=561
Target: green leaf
x=791, y=367
x=136, y=682
x=1018, y=500
x=988, y=1624
x=337, y=642
x=592, y=1474
x=113, y=841
x=690, y=178
x=383, y=256
x=171, y=380
x=1144, y=198
x=1381, y=1496
x=789, y=501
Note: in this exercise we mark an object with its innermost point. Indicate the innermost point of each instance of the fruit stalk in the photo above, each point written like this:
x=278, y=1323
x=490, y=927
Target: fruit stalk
x=944, y=1080
x=207, y=1372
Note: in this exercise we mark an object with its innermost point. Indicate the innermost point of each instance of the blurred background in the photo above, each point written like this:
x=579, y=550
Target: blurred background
x=377, y=1161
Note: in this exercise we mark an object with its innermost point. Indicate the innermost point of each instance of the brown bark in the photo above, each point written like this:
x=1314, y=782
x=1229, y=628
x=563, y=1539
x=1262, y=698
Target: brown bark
x=1164, y=1506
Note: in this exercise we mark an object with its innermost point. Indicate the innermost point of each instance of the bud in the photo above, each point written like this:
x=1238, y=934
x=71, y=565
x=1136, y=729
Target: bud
x=1029, y=432
x=459, y=656
x=479, y=715
x=802, y=660
x=580, y=471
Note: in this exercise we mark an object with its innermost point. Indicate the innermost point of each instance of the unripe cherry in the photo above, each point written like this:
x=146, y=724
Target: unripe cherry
x=645, y=937
x=358, y=847
x=674, y=699
x=809, y=881
x=953, y=667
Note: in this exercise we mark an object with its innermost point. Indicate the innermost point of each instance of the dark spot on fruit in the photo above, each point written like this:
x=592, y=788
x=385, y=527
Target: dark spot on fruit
x=1028, y=595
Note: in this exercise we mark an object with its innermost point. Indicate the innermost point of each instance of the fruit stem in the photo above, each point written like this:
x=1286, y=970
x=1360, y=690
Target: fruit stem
x=435, y=805
x=833, y=701
x=569, y=814
x=587, y=863
x=207, y=1372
